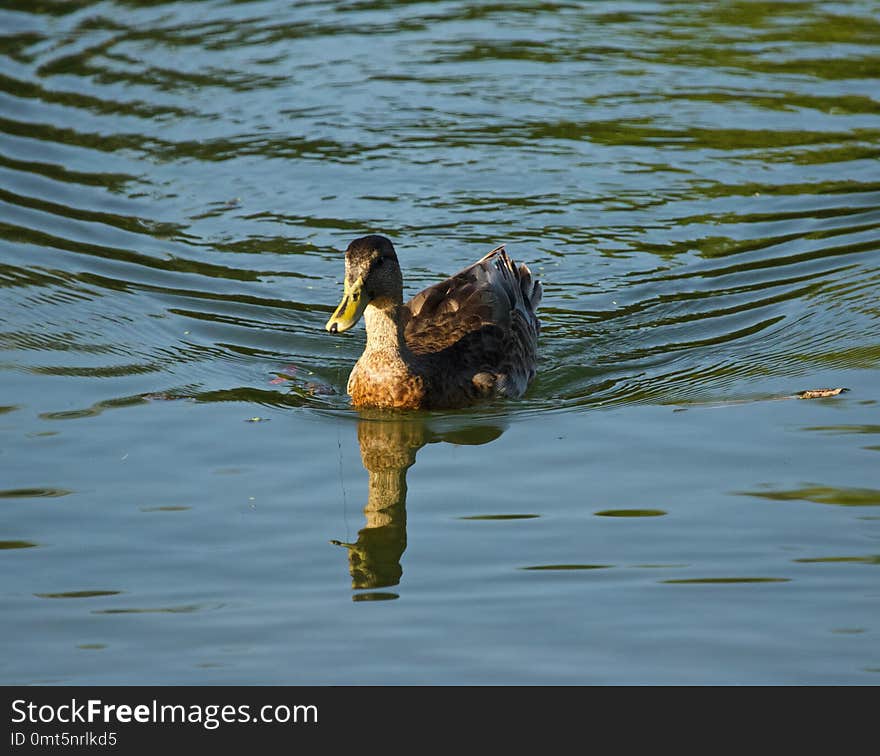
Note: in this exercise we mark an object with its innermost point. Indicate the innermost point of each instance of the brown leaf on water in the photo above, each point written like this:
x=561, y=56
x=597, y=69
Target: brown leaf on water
x=820, y=393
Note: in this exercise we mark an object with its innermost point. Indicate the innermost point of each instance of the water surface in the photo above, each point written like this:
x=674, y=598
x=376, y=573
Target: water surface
x=186, y=495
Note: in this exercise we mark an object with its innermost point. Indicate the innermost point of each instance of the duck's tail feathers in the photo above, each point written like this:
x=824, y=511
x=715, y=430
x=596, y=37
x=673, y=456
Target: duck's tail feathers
x=516, y=277
x=499, y=250
x=531, y=287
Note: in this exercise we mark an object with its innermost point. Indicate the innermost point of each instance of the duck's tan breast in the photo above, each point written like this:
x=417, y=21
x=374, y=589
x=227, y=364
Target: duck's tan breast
x=378, y=382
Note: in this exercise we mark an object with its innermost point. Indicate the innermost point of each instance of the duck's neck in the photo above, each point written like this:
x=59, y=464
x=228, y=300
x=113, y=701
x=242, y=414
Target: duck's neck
x=384, y=330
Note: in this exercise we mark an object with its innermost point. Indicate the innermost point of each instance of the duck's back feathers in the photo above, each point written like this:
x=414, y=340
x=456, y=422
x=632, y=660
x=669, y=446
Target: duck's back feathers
x=477, y=330
x=485, y=293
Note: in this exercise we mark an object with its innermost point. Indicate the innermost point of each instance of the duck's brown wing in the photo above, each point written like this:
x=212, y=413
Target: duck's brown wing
x=481, y=319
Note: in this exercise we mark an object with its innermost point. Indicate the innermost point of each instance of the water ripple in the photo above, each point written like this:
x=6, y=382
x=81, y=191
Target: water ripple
x=174, y=195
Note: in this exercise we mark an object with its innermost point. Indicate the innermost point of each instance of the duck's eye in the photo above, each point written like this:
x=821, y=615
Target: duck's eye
x=379, y=261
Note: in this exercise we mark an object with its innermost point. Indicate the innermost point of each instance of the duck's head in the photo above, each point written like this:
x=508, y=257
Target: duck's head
x=372, y=274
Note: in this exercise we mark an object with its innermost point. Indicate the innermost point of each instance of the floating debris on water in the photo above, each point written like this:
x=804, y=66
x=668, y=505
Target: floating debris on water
x=820, y=393
x=320, y=389
x=287, y=373
x=258, y=419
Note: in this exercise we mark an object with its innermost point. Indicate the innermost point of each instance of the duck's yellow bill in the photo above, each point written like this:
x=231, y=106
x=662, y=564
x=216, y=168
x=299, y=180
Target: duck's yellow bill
x=350, y=308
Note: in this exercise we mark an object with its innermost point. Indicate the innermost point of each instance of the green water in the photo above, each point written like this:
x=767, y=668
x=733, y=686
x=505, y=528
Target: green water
x=186, y=496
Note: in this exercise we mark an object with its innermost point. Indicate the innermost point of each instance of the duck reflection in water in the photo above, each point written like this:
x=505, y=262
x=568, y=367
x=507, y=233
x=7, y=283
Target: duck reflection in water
x=389, y=444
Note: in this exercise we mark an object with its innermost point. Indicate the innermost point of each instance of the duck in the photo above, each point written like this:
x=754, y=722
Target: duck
x=470, y=338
